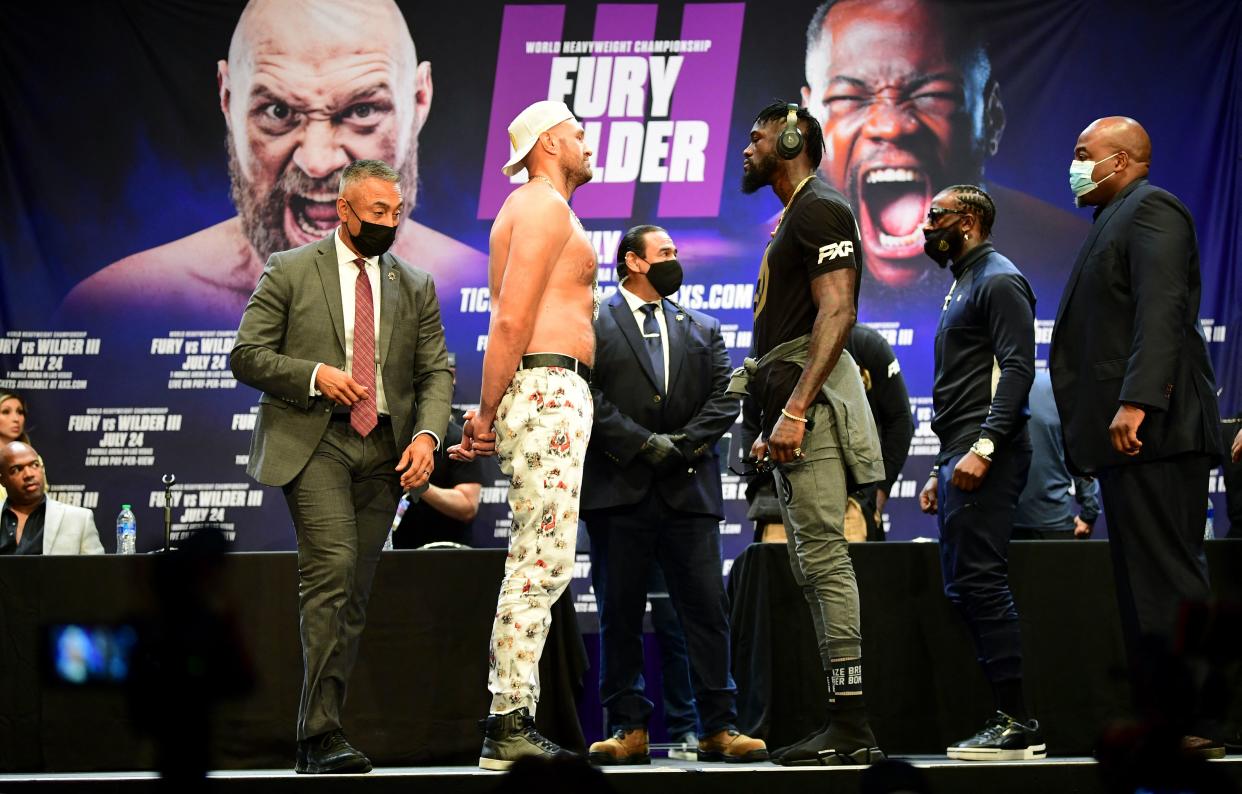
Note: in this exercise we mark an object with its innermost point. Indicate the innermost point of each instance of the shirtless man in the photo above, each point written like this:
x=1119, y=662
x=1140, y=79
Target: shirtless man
x=308, y=87
x=535, y=409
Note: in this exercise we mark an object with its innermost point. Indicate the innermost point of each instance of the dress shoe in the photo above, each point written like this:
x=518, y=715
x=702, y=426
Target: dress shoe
x=732, y=747
x=1200, y=748
x=508, y=737
x=622, y=748
x=329, y=754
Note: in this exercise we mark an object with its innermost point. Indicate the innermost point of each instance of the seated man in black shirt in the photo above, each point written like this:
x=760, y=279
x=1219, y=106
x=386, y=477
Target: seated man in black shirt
x=31, y=522
x=890, y=406
x=446, y=509
x=985, y=364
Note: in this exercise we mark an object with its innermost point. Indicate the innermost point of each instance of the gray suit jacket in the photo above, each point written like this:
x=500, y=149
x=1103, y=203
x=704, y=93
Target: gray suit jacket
x=67, y=529
x=294, y=320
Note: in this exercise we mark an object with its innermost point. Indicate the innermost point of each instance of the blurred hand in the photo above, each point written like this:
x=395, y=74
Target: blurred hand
x=881, y=499
x=478, y=439
x=417, y=461
x=759, y=449
x=1081, y=528
x=785, y=443
x=928, y=498
x=969, y=472
x=1237, y=447
x=1123, y=431
x=338, y=386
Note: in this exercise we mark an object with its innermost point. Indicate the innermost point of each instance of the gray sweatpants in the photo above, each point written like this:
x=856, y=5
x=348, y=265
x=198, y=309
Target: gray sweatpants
x=812, y=494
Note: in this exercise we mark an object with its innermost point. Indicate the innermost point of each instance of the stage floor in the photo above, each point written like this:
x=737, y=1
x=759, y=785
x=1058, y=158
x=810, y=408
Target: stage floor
x=1062, y=775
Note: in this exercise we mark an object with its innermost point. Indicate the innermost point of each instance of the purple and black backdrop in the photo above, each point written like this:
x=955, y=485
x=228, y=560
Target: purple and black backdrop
x=143, y=166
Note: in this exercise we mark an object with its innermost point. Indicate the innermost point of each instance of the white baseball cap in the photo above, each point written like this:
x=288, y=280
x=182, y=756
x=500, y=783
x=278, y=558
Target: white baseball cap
x=528, y=126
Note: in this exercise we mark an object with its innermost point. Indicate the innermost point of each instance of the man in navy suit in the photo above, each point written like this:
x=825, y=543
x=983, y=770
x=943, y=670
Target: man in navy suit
x=1134, y=385
x=651, y=492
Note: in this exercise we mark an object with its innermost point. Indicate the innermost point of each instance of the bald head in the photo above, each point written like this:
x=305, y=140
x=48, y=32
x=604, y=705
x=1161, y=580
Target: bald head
x=314, y=30
x=21, y=474
x=15, y=448
x=1122, y=134
x=310, y=86
x=1121, y=151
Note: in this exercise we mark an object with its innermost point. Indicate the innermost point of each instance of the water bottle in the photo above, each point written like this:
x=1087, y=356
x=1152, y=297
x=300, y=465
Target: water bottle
x=1208, y=531
x=402, y=506
x=126, y=531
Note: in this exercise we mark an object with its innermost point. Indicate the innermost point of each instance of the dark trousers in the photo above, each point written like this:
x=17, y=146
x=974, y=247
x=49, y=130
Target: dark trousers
x=1043, y=533
x=680, y=710
x=680, y=715
x=342, y=505
x=1156, y=513
x=974, y=557
x=1233, y=483
x=624, y=543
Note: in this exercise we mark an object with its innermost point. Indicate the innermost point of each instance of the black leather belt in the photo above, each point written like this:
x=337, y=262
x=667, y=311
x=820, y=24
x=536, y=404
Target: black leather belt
x=533, y=360
x=341, y=414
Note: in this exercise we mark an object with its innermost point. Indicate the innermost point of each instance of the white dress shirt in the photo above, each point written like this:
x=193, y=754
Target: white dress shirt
x=636, y=305
x=348, y=273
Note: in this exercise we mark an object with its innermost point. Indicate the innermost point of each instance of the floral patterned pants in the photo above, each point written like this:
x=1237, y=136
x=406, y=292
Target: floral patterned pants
x=543, y=424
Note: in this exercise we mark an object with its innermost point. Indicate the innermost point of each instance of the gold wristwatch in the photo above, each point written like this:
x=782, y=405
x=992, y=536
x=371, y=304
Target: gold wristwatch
x=984, y=448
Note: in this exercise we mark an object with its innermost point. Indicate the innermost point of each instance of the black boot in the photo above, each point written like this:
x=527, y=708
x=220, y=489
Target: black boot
x=847, y=740
x=508, y=737
x=780, y=751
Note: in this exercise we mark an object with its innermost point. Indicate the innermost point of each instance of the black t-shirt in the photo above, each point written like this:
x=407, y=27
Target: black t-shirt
x=887, y=395
x=32, y=533
x=818, y=235
x=422, y=523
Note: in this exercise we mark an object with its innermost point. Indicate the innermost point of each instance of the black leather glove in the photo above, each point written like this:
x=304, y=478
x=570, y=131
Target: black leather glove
x=660, y=451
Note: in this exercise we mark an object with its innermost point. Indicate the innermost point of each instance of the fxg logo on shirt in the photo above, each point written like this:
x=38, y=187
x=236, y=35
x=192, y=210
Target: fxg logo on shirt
x=836, y=251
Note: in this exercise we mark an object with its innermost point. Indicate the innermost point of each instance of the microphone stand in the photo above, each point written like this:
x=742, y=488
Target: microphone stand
x=168, y=480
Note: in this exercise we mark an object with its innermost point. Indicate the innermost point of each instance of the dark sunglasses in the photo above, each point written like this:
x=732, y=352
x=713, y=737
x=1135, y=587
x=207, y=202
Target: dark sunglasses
x=936, y=213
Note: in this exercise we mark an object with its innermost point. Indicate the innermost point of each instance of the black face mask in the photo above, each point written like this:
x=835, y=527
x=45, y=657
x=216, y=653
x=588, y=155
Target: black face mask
x=372, y=239
x=944, y=244
x=665, y=277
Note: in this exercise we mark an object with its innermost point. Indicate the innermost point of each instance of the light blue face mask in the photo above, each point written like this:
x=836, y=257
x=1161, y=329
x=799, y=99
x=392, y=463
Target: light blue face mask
x=1080, y=175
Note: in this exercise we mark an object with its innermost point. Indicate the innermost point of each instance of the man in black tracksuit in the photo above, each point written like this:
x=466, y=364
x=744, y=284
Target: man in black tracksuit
x=985, y=364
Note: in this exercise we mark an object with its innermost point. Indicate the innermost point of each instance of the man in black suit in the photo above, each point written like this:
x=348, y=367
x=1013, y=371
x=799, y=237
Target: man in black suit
x=1132, y=379
x=651, y=492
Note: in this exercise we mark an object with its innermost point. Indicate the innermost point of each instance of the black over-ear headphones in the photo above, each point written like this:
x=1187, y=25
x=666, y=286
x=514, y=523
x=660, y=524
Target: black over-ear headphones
x=789, y=144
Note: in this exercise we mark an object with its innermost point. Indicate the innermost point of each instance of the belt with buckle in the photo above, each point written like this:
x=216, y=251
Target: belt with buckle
x=533, y=360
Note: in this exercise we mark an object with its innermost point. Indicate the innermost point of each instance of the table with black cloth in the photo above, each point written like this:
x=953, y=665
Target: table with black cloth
x=416, y=694
x=923, y=687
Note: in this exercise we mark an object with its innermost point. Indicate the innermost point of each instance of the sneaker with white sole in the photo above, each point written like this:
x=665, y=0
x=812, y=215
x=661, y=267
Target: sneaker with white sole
x=1002, y=739
x=686, y=750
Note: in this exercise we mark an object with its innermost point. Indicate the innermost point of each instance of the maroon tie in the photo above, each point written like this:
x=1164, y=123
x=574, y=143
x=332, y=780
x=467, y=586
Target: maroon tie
x=363, y=416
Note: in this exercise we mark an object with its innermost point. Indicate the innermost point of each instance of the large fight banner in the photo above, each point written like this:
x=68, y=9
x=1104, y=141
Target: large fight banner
x=152, y=165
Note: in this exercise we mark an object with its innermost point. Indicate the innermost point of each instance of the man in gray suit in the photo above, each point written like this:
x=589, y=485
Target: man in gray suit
x=345, y=342
x=31, y=522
